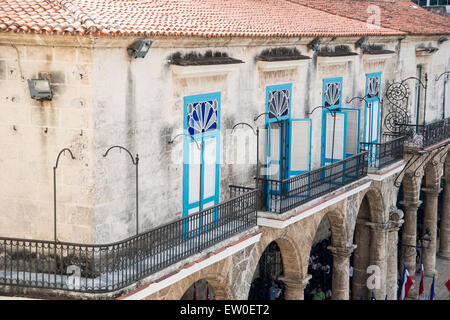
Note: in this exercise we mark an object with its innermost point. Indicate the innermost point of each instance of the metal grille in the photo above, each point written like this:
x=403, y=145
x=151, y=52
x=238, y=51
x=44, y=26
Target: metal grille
x=104, y=268
x=422, y=136
x=383, y=154
x=270, y=263
x=281, y=196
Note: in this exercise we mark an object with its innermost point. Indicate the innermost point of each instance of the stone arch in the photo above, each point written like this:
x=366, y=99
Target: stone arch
x=319, y=248
x=336, y=217
x=290, y=258
x=217, y=282
x=292, y=265
x=376, y=205
x=370, y=213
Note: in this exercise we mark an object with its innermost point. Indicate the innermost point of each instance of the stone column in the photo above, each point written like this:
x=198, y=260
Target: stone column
x=295, y=287
x=444, y=234
x=409, y=237
x=430, y=222
x=361, y=259
x=340, y=277
x=396, y=221
x=378, y=240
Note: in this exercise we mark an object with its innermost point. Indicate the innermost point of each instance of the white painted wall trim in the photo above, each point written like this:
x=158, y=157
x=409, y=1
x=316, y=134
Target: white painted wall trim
x=336, y=59
x=280, y=224
x=374, y=57
x=282, y=65
x=203, y=71
x=154, y=287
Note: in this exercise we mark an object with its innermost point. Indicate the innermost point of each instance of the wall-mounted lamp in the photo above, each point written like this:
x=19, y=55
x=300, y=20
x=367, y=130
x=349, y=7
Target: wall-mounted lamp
x=362, y=43
x=314, y=44
x=40, y=89
x=139, y=48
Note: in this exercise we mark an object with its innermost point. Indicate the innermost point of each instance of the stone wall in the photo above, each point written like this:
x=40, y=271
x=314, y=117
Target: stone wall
x=33, y=132
x=138, y=103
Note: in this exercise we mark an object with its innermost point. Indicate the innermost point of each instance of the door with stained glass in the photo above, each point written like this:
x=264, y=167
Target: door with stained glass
x=202, y=122
x=372, y=114
x=278, y=103
x=334, y=122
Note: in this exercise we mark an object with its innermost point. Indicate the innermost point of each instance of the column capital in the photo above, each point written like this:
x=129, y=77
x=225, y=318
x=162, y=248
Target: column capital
x=379, y=226
x=342, y=252
x=433, y=191
x=294, y=282
x=395, y=225
x=411, y=204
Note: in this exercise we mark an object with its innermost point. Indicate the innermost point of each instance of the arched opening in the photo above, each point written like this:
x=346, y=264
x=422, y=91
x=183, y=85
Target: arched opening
x=199, y=290
x=320, y=264
x=360, y=258
x=265, y=283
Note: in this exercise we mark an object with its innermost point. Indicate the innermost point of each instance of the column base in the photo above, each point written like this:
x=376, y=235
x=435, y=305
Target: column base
x=444, y=255
x=412, y=294
x=429, y=273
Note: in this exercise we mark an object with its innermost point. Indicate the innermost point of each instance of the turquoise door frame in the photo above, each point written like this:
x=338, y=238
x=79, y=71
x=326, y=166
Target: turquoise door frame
x=277, y=118
x=334, y=159
x=368, y=137
x=358, y=131
x=280, y=123
x=370, y=126
x=203, y=138
x=291, y=172
x=331, y=106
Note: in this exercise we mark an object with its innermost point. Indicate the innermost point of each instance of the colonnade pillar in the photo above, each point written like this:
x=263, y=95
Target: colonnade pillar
x=430, y=222
x=340, y=277
x=444, y=233
x=295, y=287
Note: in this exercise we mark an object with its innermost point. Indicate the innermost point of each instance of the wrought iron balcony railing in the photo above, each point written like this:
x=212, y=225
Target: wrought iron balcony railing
x=383, y=154
x=423, y=136
x=110, y=267
x=280, y=196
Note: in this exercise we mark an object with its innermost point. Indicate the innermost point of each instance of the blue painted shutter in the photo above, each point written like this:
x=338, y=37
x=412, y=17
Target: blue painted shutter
x=300, y=146
x=338, y=153
x=352, y=134
x=274, y=161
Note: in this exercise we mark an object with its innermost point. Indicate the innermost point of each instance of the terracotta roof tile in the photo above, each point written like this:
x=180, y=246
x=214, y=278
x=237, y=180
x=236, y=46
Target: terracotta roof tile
x=401, y=15
x=204, y=18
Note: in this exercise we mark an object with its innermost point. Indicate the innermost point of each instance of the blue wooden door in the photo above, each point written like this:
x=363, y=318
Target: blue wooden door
x=372, y=115
x=202, y=122
x=278, y=103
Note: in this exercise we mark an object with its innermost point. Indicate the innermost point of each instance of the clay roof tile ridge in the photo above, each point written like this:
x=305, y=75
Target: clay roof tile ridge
x=78, y=14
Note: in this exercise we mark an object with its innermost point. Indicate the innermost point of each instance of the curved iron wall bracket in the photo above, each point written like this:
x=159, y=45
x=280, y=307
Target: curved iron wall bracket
x=135, y=162
x=54, y=188
x=255, y=132
x=408, y=165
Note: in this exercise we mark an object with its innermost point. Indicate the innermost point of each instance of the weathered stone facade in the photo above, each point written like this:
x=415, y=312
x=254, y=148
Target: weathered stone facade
x=103, y=98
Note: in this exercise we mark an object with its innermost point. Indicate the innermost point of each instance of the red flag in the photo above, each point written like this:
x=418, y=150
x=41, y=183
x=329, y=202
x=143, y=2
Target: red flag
x=406, y=283
x=447, y=284
x=421, y=278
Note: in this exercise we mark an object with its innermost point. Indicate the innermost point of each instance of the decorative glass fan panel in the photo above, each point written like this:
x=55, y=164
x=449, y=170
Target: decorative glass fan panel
x=278, y=103
x=373, y=87
x=332, y=94
x=202, y=116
